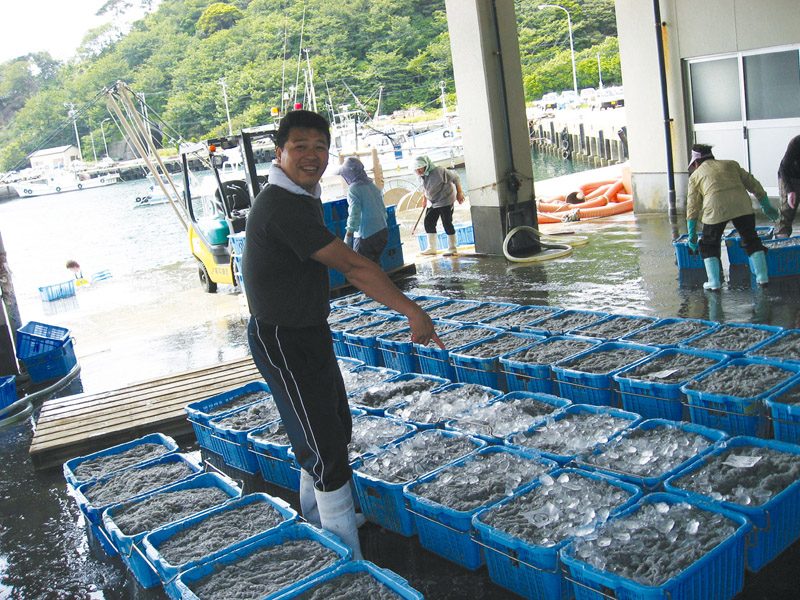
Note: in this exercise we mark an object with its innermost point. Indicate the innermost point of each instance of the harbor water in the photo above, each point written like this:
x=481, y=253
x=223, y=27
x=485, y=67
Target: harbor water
x=151, y=318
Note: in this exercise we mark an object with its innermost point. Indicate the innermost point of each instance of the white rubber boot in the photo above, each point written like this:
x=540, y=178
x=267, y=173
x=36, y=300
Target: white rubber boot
x=338, y=516
x=432, y=243
x=308, y=499
x=451, y=245
x=758, y=265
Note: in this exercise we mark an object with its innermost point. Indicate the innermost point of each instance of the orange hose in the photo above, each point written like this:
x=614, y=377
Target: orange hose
x=590, y=187
x=563, y=207
x=551, y=204
x=624, y=197
x=545, y=218
x=614, y=208
x=612, y=191
x=598, y=192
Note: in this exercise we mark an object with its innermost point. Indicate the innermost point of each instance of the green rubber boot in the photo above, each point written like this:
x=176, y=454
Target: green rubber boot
x=758, y=265
x=713, y=270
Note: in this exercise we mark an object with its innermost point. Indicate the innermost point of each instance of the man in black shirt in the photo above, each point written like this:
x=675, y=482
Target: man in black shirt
x=288, y=250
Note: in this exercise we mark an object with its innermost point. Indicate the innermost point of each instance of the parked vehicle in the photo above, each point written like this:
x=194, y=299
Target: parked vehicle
x=610, y=97
x=549, y=100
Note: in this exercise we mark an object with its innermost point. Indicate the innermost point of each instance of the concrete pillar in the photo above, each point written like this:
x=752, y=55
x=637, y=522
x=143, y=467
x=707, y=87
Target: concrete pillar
x=497, y=153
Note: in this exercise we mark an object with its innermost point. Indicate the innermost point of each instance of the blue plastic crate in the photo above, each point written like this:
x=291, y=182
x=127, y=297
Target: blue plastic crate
x=719, y=574
x=563, y=459
x=653, y=482
x=783, y=260
x=276, y=537
x=437, y=382
x=785, y=416
x=168, y=571
x=448, y=532
x=391, y=580
x=398, y=355
x=734, y=414
x=771, y=332
x=53, y=364
x=524, y=376
x=524, y=568
x=8, y=391
x=641, y=336
x=94, y=512
x=594, y=388
x=169, y=445
x=448, y=308
x=776, y=347
x=200, y=413
x=637, y=323
x=382, y=502
x=237, y=242
x=464, y=423
x=237, y=451
x=776, y=522
x=685, y=258
x=407, y=431
x=656, y=400
x=564, y=321
x=392, y=258
x=335, y=210
x=56, y=291
x=514, y=320
x=733, y=244
x=441, y=240
x=130, y=547
x=485, y=371
x=396, y=411
x=364, y=346
x=465, y=234
x=466, y=316
x=274, y=462
x=37, y=338
x=436, y=361
x=385, y=374
x=391, y=216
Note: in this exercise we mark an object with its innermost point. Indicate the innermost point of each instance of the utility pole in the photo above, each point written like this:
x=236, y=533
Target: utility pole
x=444, y=99
x=74, y=117
x=225, y=96
x=599, y=71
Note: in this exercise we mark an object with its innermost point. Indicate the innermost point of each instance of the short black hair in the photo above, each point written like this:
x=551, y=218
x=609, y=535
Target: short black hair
x=702, y=149
x=301, y=118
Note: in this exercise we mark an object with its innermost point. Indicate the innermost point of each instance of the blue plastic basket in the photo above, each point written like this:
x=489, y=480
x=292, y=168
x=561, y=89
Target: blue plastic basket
x=485, y=371
x=594, y=388
x=563, y=459
x=94, y=513
x=524, y=376
x=564, y=321
x=465, y=424
x=274, y=462
x=776, y=522
x=168, y=572
x=335, y=210
x=37, y=338
x=655, y=482
x=130, y=547
x=733, y=244
x=448, y=532
x=526, y=569
x=470, y=317
x=200, y=417
x=380, y=412
x=685, y=258
x=8, y=391
x=515, y=320
x=237, y=451
x=441, y=240
x=274, y=538
x=640, y=336
x=364, y=346
x=448, y=308
x=771, y=348
x=654, y=400
x=407, y=428
x=382, y=502
x=237, y=242
x=395, y=411
x=771, y=332
x=465, y=234
x=388, y=578
x=56, y=291
x=169, y=445
x=719, y=574
x=53, y=364
x=392, y=257
x=636, y=323
x=785, y=416
x=734, y=414
x=398, y=355
x=436, y=361
x=783, y=260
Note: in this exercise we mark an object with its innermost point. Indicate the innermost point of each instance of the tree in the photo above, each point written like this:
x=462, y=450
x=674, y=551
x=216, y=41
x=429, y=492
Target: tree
x=217, y=17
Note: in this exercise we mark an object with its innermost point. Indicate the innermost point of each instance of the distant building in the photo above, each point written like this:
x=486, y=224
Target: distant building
x=59, y=157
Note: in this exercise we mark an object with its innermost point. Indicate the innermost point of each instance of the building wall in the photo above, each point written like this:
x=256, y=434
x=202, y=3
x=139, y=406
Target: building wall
x=693, y=29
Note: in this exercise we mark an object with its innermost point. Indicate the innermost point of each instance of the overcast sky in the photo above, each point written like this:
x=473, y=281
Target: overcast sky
x=57, y=26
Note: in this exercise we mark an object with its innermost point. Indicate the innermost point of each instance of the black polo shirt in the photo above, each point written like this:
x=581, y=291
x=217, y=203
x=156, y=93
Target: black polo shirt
x=284, y=285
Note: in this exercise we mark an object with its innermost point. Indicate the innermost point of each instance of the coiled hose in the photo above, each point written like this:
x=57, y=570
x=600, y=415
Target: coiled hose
x=565, y=248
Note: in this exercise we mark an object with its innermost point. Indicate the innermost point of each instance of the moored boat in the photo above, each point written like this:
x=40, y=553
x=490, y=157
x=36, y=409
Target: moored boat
x=56, y=183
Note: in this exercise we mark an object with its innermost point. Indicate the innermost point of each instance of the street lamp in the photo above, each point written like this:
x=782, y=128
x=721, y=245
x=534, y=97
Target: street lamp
x=74, y=116
x=105, y=145
x=571, y=47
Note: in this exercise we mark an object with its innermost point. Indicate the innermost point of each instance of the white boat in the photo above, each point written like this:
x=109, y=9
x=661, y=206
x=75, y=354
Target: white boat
x=58, y=182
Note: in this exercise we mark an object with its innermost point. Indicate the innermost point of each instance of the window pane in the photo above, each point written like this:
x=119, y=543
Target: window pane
x=715, y=91
x=772, y=82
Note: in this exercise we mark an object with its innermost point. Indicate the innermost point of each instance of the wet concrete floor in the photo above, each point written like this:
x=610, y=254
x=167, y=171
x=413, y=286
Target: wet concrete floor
x=627, y=267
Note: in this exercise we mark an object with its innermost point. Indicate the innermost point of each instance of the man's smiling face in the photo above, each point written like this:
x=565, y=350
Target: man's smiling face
x=304, y=157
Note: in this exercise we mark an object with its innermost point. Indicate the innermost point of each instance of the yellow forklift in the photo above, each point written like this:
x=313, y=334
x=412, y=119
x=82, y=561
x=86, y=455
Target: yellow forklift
x=217, y=204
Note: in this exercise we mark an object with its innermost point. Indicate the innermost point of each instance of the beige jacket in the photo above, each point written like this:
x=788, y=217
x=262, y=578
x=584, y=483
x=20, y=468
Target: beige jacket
x=718, y=192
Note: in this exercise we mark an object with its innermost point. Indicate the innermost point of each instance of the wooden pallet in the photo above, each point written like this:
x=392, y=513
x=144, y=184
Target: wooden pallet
x=85, y=423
